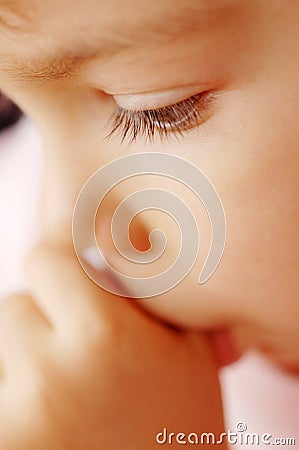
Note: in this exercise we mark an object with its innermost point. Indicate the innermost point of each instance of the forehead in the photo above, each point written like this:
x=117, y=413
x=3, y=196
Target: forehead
x=44, y=33
x=108, y=16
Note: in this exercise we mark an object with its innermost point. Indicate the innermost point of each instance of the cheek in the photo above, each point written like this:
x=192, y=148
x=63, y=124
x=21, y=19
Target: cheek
x=253, y=166
x=261, y=198
x=249, y=152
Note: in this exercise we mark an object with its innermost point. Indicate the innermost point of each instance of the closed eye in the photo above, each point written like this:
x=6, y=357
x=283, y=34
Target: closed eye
x=173, y=119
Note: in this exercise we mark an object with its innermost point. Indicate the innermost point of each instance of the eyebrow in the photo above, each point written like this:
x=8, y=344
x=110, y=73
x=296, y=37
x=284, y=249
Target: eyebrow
x=43, y=71
x=167, y=25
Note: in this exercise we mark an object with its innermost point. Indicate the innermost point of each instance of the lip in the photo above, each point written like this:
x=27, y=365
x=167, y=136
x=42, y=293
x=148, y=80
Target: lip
x=225, y=349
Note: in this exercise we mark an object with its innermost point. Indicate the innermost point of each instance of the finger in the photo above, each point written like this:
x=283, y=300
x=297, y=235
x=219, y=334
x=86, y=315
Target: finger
x=23, y=330
x=64, y=292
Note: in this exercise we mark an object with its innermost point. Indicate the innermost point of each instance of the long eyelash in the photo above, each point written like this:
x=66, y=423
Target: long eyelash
x=175, y=119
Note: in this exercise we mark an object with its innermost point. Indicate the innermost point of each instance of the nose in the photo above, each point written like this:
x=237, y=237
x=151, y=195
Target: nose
x=61, y=187
x=72, y=128
x=67, y=168
x=63, y=179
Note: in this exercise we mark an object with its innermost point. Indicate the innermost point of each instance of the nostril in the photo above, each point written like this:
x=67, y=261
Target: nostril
x=9, y=112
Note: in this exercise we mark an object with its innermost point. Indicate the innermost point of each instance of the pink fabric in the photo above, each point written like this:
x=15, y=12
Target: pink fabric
x=254, y=391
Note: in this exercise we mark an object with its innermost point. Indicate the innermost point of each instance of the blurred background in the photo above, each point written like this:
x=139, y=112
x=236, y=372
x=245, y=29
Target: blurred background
x=255, y=392
x=9, y=112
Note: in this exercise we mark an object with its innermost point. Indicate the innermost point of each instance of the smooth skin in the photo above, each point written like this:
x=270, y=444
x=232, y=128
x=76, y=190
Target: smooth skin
x=149, y=54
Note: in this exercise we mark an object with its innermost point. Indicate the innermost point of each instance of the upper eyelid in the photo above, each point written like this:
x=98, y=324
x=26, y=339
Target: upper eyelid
x=161, y=108
x=177, y=118
x=157, y=100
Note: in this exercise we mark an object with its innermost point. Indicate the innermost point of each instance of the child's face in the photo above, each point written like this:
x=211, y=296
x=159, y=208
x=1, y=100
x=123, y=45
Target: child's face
x=66, y=62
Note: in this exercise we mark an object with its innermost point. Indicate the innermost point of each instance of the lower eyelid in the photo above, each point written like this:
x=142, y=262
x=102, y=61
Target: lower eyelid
x=181, y=121
x=199, y=106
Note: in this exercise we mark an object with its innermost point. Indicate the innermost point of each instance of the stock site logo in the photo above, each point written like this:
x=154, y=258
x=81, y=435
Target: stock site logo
x=164, y=165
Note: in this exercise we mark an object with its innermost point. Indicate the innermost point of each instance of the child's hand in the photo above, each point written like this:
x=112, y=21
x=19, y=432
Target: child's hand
x=83, y=369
